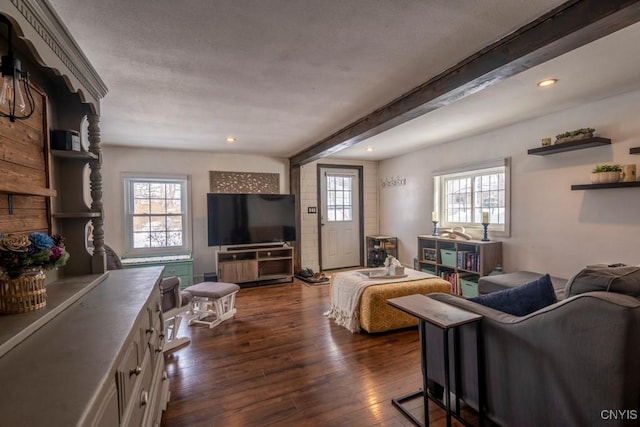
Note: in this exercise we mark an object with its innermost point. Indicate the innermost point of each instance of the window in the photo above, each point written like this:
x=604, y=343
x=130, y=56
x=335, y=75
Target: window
x=156, y=212
x=463, y=196
x=339, y=197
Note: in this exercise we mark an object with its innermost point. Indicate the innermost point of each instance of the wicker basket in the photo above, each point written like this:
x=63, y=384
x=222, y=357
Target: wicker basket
x=23, y=294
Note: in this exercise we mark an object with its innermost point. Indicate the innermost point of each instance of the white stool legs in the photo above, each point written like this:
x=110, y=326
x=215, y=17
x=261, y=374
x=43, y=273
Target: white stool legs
x=220, y=309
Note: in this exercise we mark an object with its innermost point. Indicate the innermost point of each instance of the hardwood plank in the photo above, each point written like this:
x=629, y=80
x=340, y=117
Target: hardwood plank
x=24, y=223
x=565, y=28
x=23, y=147
x=23, y=202
x=279, y=361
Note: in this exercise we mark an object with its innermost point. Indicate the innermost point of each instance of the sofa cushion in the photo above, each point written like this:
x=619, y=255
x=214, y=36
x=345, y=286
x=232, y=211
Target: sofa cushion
x=521, y=300
x=622, y=280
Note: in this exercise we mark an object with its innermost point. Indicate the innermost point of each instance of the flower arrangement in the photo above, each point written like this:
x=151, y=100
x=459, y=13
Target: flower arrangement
x=394, y=267
x=19, y=252
x=391, y=261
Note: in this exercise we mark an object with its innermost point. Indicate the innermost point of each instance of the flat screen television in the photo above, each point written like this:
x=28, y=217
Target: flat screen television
x=240, y=219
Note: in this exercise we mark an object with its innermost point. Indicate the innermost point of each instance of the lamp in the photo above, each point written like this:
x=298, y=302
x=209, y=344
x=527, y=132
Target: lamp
x=16, y=100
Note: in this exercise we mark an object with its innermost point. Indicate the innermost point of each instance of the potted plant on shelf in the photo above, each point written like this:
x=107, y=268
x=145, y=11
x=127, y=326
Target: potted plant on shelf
x=605, y=174
x=575, y=135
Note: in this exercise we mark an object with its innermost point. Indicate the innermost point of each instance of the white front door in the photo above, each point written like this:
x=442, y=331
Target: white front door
x=339, y=218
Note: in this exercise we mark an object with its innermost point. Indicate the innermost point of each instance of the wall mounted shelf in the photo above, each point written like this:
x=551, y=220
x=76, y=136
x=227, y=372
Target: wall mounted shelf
x=595, y=141
x=77, y=215
x=604, y=186
x=26, y=189
x=634, y=150
x=80, y=155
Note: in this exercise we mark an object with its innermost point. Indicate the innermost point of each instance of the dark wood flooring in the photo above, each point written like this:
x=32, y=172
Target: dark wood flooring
x=280, y=362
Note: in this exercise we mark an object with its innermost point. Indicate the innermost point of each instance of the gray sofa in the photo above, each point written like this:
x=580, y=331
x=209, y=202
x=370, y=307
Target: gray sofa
x=573, y=363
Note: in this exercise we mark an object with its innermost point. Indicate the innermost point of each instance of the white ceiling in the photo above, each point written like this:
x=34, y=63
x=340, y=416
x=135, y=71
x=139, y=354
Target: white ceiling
x=280, y=75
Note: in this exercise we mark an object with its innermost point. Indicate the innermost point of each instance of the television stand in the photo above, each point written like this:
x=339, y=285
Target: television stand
x=255, y=265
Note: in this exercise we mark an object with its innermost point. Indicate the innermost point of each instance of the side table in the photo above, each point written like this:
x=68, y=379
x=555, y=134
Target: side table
x=444, y=317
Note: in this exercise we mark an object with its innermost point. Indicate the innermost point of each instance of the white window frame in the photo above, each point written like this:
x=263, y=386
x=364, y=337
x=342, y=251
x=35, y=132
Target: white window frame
x=473, y=170
x=185, y=181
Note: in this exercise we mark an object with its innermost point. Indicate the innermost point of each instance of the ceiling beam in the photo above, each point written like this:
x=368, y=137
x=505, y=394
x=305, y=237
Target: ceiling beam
x=567, y=27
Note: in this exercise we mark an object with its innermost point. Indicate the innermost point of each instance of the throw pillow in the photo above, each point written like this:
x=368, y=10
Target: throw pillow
x=521, y=300
x=622, y=280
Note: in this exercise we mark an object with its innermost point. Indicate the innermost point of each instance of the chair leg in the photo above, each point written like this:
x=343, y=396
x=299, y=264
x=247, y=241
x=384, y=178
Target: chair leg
x=222, y=308
x=172, y=327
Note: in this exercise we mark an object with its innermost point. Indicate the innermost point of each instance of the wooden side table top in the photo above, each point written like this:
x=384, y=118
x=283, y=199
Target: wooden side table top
x=433, y=311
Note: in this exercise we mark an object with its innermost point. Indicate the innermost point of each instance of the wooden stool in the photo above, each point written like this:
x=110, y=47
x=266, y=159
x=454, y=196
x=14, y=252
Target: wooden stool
x=212, y=299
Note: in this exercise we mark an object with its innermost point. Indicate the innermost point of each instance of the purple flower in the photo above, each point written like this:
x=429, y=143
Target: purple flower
x=56, y=253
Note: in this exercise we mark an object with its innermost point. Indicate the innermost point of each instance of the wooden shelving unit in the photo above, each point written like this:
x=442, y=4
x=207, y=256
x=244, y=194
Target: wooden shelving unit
x=562, y=147
x=255, y=265
x=605, y=186
x=456, y=260
x=378, y=247
x=72, y=208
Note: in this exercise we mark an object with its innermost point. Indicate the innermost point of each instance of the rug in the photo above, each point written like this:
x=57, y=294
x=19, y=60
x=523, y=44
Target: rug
x=312, y=281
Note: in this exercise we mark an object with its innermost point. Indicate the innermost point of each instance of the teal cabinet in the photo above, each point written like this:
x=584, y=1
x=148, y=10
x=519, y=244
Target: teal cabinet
x=183, y=268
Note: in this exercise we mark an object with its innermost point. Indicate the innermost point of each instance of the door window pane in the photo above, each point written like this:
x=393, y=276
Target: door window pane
x=339, y=197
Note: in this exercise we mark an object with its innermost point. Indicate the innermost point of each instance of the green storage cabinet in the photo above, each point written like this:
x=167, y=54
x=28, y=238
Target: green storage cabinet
x=183, y=268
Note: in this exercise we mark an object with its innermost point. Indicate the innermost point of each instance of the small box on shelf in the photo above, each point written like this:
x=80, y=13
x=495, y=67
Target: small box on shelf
x=448, y=257
x=469, y=286
x=431, y=269
x=68, y=140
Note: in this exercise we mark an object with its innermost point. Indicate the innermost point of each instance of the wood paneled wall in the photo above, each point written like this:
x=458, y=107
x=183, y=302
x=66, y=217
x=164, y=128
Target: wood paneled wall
x=24, y=168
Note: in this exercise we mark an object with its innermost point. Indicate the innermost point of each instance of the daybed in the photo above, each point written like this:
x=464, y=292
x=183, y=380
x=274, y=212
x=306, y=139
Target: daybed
x=373, y=312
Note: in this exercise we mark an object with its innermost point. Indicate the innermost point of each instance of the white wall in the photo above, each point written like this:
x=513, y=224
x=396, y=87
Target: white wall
x=196, y=164
x=309, y=197
x=553, y=229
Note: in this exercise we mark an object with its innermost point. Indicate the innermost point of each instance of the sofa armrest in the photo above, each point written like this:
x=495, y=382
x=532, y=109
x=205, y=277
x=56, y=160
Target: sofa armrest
x=577, y=355
x=499, y=316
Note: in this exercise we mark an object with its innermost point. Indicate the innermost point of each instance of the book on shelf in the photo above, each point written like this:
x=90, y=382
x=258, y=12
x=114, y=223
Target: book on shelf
x=451, y=277
x=468, y=260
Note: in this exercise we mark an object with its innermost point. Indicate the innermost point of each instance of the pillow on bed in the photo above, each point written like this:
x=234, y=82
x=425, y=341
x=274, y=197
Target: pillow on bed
x=521, y=300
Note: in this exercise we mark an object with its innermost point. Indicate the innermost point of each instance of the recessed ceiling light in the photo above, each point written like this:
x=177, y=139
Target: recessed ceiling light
x=368, y=149
x=547, y=82
x=230, y=140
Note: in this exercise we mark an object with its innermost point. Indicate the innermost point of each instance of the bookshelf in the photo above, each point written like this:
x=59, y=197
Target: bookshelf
x=458, y=261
